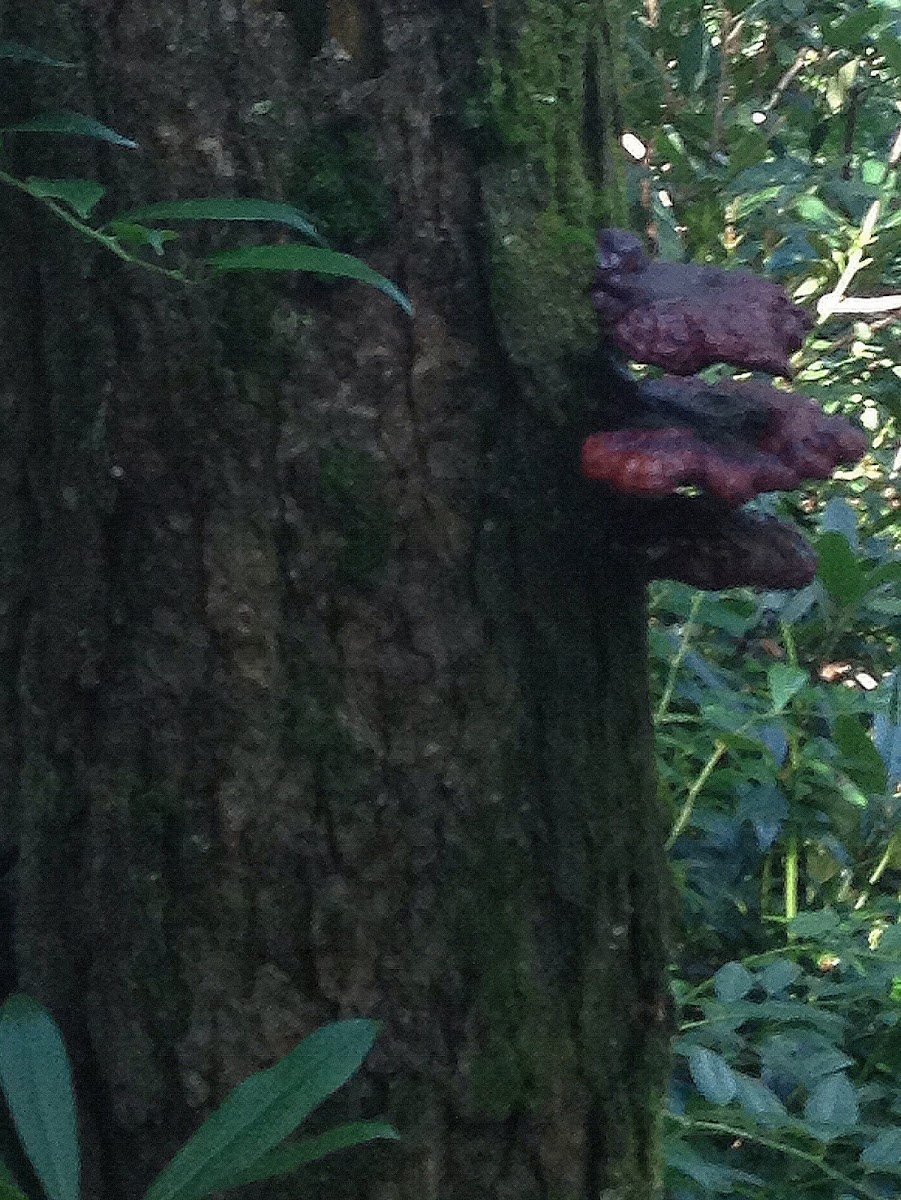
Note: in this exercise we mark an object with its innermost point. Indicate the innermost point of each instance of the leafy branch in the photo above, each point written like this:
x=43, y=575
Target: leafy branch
x=73, y=202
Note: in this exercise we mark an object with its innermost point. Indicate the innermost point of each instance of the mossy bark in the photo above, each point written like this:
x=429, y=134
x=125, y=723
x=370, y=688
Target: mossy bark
x=320, y=693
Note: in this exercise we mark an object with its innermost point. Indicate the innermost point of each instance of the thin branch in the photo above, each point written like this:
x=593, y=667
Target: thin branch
x=866, y=304
x=88, y=231
x=688, y=632
x=801, y=59
x=734, y=1131
x=830, y=303
x=694, y=791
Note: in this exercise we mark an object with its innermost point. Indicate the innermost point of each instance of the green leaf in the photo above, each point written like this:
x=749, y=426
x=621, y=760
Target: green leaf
x=712, y=1177
x=732, y=982
x=818, y=926
x=712, y=1075
x=848, y=34
x=307, y=258
x=832, y=1105
x=885, y=1151
x=890, y=49
x=75, y=124
x=289, y=1157
x=842, y=575
x=777, y=976
x=226, y=208
x=694, y=54
x=9, y=1189
x=758, y=1101
x=860, y=761
x=140, y=235
x=81, y=195
x=20, y=53
x=749, y=147
x=784, y=682
x=37, y=1082
x=261, y=1112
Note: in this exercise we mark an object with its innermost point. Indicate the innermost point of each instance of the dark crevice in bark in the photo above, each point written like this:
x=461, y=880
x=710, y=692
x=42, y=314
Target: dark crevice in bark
x=597, y=1152
x=615, y=116
x=96, y=1102
x=593, y=118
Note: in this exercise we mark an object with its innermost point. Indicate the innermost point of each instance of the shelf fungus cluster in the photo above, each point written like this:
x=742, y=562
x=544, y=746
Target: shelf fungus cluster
x=730, y=440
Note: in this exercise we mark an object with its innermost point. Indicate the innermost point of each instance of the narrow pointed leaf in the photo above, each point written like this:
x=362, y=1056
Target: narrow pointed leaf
x=307, y=258
x=292, y=1155
x=37, y=1082
x=20, y=53
x=81, y=195
x=226, y=208
x=260, y=1112
x=74, y=124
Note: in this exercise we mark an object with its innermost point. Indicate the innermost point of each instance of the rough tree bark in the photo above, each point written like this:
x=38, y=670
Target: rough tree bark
x=319, y=694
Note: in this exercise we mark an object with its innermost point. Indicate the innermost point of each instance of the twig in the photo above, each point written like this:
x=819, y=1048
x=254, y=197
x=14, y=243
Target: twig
x=801, y=59
x=733, y=1131
x=109, y=243
x=695, y=790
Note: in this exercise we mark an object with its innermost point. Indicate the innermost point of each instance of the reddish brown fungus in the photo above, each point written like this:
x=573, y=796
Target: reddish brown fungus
x=683, y=317
x=786, y=440
x=731, y=440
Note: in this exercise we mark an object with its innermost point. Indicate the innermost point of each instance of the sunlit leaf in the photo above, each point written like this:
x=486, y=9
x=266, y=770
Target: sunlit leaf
x=132, y=234
x=889, y=46
x=843, y=576
x=848, y=33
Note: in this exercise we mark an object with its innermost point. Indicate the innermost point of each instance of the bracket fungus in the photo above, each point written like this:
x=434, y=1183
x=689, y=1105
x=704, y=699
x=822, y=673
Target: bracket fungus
x=683, y=317
x=730, y=440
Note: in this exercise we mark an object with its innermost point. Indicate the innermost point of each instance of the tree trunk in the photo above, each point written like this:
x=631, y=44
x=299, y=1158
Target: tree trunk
x=320, y=694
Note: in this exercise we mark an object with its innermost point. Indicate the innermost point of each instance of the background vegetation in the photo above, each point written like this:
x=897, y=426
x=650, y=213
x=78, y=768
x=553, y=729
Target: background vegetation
x=779, y=716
